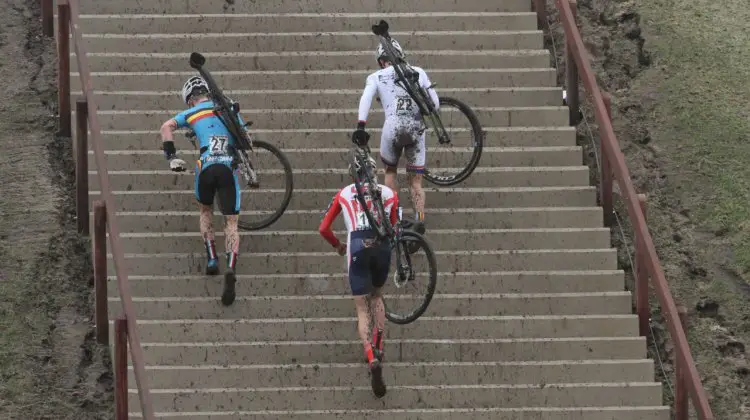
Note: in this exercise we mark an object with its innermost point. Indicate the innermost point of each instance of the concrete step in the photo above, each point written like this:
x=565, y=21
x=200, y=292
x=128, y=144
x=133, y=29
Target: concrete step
x=310, y=240
x=405, y=397
x=401, y=373
x=522, y=413
x=335, y=118
x=341, y=137
x=522, y=282
x=209, y=307
x=298, y=262
x=327, y=99
x=305, y=22
x=398, y=350
x=467, y=327
x=537, y=176
x=315, y=60
x=317, y=199
x=446, y=218
x=160, y=7
x=315, y=79
x=361, y=39
x=456, y=156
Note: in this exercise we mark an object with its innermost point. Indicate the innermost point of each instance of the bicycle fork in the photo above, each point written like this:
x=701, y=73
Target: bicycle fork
x=248, y=172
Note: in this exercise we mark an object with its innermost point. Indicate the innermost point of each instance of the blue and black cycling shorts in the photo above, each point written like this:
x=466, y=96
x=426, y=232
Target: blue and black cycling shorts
x=369, y=262
x=218, y=180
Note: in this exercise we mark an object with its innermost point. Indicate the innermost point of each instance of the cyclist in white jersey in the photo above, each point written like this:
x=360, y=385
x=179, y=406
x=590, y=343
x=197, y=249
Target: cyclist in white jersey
x=403, y=129
x=368, y=262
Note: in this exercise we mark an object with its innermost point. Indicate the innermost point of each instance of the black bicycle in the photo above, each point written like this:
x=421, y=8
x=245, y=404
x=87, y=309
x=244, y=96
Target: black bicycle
x=406, y=243
x=409, y=80
x=278, y=181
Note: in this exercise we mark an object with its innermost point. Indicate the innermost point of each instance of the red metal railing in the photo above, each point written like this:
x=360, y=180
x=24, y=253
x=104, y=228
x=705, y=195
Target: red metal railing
x=613, y=168
x=88, y=128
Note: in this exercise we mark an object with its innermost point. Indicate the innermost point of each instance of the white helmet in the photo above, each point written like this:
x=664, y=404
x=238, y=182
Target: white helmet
x=355, y=168
x=191, y=85
x=380, y=53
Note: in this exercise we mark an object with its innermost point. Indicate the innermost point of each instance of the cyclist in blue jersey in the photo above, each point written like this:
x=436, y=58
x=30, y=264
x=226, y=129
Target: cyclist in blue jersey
x=215, y=174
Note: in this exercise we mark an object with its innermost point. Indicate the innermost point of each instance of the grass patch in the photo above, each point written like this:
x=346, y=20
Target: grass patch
x=702, y=108
x=700, y=87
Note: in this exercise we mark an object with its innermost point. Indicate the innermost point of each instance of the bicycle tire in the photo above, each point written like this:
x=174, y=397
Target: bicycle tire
x=401, y=319
x=478, y=142
x=288, y=189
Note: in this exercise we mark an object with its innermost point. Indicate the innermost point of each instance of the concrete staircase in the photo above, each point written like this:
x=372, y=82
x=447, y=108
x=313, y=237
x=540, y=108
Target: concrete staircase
x=530, y=320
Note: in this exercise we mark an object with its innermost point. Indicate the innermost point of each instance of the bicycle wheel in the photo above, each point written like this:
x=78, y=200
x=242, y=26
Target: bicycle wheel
x=264, y=205
x=453, y=162
x=409, y=271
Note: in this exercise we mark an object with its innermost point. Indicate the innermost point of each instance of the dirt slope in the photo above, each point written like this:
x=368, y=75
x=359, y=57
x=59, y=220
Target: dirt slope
x=633, y=49
x=50, y=366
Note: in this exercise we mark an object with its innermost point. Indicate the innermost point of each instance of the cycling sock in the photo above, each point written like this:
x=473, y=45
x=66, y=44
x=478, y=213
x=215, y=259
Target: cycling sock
x=211, y=249
x=377, y=339
x=369, y=353
x=420, y=216
x=231, y=260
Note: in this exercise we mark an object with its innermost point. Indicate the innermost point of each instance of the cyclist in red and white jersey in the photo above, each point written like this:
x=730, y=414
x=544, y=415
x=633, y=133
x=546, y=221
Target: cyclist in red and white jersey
x=404, y=127
x=368, y=262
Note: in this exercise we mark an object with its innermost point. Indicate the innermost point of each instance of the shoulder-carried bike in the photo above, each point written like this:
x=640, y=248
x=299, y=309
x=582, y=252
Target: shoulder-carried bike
x=250, y=157
x=410, y=247
x=458, y=161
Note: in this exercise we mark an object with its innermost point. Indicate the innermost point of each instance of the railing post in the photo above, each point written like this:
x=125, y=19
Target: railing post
x=48, y=26
x=681, y=391
x=121, y=368
x=642, y=307
x=571, y=76
x=606, y=170
x=82, y=166
x=63, y=67
x=540, y=7
x=100, y=272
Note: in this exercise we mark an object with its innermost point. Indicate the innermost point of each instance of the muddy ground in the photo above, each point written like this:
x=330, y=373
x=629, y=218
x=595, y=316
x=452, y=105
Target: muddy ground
x=697, y=266
x=50, y=364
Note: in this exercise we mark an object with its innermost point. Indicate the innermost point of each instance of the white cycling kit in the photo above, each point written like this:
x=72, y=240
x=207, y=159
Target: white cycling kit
x=404, y=126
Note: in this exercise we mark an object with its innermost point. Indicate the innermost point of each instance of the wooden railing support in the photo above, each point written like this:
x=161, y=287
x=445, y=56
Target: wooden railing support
x=100, y=272
x=540, y=7
x=82, y=166
x=63, y=68
x=48, y=25
x=616, y=165
x=116, y=247
x=642, y=307
x=121, y=368
x=680, y=383
x=606, y=170
x=127, y=338
x=571, y=77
